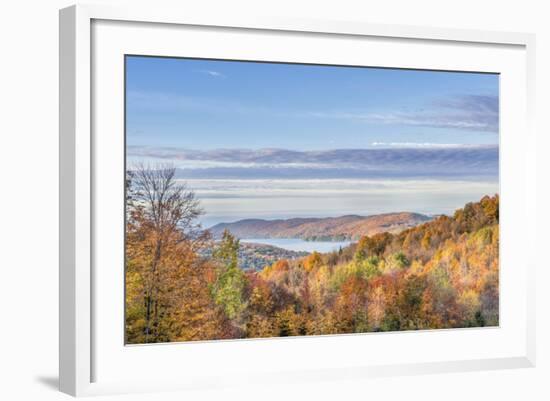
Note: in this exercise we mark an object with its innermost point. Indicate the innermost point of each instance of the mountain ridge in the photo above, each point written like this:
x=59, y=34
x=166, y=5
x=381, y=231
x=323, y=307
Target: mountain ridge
x=348, y=227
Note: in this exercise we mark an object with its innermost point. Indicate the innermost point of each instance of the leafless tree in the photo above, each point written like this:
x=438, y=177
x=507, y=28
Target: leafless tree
x=167, y=203
x=169, y=211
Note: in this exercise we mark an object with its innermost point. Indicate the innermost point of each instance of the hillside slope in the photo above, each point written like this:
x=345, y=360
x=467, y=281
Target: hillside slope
x=330, y=228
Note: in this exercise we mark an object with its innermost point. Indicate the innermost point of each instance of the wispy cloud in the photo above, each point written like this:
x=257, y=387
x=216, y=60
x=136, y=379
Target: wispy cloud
x=213, y=73
x=230, y=200
x=399, y=162
x=163, y=102
x=424, y=145
x=468, y=112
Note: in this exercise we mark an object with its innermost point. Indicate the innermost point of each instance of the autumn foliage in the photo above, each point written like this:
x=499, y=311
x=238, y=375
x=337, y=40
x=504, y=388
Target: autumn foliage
x=441, y=274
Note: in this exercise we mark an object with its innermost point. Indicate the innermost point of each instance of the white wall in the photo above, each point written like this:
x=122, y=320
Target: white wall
x=28, y=200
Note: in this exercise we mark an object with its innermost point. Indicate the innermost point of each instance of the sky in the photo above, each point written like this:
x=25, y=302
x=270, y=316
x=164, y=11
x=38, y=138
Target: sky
x=275, y=140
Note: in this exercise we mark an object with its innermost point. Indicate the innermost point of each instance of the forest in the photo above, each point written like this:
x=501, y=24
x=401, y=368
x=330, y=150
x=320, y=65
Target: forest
x=437, y=275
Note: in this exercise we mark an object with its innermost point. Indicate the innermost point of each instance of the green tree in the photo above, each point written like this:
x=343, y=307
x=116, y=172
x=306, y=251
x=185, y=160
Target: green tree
x=228, y=289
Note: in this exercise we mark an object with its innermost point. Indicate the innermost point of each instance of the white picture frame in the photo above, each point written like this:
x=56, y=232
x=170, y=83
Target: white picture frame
x=81, y=155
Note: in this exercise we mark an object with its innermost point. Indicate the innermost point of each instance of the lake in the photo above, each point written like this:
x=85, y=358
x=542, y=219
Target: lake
x=298, y=244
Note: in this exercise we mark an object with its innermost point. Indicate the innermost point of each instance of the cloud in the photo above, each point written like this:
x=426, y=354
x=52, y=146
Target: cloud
x=467, y=112
x=139, y=101
x=475, y=113
x=482, y=104
x=232, y=200
x=392, y=162
x=422, y=145
x=212, y=73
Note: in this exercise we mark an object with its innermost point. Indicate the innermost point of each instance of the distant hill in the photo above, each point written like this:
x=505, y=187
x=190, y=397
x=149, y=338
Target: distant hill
x=329, y=228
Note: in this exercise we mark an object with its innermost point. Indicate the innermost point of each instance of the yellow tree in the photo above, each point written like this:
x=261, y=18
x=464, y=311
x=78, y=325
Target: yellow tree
x=162, y=240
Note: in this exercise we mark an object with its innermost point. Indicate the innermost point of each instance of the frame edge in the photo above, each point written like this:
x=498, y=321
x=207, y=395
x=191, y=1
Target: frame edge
x=530, y=55
x=74, y=201
x=67, y=112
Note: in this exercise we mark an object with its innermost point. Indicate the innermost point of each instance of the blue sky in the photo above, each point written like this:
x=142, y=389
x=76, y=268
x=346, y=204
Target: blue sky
x=285, y=140
x=217, y=104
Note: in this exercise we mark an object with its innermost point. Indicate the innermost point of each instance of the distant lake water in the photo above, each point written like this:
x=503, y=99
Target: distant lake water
x=297, y=244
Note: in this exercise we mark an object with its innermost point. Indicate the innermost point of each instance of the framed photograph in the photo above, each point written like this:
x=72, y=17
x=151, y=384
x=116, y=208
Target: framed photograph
x=274, y=200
